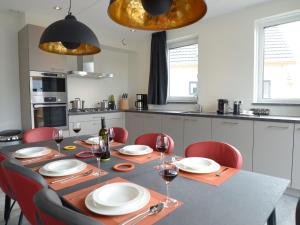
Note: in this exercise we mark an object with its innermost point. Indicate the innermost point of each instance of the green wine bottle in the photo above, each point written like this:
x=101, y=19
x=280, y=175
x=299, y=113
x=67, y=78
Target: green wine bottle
x=103, y=133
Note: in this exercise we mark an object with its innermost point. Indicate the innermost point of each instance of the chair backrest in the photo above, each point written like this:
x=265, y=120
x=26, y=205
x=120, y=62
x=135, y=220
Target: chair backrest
x=298, y=213
x=24, y=184
x=222, y=153
x=150, y=140
x=3, y=180
x=50, y=211
x=38, y=134
x=121, y=134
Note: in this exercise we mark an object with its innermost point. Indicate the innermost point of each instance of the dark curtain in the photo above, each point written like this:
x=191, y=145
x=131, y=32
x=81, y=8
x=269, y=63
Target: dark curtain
x=158, y=78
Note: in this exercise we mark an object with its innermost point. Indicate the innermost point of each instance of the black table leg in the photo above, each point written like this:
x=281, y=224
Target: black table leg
x=272, y=218
x=7, y=208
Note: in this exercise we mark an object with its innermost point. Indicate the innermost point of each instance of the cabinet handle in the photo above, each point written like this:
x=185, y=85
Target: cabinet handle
x=174, y=118
x=278, y=127
x=192, y=120
x=231, y=123
x=95, y=117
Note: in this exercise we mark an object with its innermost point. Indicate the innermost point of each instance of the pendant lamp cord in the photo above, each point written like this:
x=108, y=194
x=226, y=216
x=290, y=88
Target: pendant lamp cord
x=69, y=11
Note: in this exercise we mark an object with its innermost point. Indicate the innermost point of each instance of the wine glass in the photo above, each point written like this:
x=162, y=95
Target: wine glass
x=98, y=150
x=111, y=134
x=162, y=145
x=58, y=137
x=169, y=171
x=76, y=128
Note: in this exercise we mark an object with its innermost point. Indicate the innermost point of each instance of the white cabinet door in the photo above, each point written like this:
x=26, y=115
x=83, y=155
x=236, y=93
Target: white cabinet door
x=152, y=123
x=114, y=123
x=173, y=126
x=273, y=148
x=196, y=129
x=296, y=158
x=134, y=123
x=238, y=133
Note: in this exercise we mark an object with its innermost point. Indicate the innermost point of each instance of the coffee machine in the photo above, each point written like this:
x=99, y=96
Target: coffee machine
x=141, y=102
x=222, y=106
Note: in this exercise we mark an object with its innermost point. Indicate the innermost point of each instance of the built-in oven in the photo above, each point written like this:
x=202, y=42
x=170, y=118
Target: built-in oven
x=49, y=107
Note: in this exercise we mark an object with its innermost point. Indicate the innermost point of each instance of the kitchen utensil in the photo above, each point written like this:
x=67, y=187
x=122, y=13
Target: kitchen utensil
x=141, y=102
x=222, y=106
x=154, y=209
x=104, y=105
x=218, y=174
x=198, y=165
x=237, y=107
x=72, y=177
x=31, y=152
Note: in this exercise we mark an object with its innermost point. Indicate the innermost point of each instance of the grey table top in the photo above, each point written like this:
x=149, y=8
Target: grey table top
x=245, y=199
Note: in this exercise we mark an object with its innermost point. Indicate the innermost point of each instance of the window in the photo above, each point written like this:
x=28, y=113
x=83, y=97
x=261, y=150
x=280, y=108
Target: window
x=183, y=71
x=277, y=73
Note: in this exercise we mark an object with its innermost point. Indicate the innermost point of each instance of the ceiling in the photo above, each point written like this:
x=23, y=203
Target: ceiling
x=93, y=12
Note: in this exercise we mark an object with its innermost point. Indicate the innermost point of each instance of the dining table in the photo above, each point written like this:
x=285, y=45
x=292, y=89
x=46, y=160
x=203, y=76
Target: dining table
x=246, y=198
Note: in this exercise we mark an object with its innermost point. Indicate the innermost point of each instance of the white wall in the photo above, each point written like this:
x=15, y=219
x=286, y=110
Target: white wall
x=92, y=90
x=10, y=23
x=226, y=56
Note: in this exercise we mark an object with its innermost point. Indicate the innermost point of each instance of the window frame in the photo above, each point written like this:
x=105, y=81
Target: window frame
x=177, y=44
x=260, y=24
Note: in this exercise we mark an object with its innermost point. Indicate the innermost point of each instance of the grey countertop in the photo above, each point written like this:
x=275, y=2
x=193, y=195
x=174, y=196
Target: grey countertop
x=287, y=119
x=92, y=112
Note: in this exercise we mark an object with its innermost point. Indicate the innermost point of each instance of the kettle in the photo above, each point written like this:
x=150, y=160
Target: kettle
x=76, y=104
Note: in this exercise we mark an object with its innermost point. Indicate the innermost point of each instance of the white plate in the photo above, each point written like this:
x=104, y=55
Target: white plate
x=115, y=211
x=118, y=194
x=62, y=168
x=198, y=165
x=31, y=152
x=92, y=141
x=136, y=150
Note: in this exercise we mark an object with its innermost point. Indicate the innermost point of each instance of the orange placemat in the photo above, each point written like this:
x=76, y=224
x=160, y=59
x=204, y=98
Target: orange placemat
x=62, y=185
x=140, y=159
x=77, y=199
x=44, y=158
x=211, y=178
x=85, y=145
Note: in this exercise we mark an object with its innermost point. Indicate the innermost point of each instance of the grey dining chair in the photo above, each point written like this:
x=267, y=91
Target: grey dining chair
x=51, y=211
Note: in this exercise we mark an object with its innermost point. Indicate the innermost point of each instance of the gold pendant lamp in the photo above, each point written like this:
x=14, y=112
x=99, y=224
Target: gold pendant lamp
x=156, y=14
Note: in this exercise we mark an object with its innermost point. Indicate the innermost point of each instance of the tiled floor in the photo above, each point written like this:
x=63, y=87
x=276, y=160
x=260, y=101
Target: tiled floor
x=285, y=211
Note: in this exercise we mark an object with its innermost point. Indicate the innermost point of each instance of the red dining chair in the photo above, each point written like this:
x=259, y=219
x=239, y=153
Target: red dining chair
x=298, y=213
x=8, y=205
x=50, y=211
x=38, y=134
x=121, y=134
x=24, y=183
x=150, y=140
x=222, y=153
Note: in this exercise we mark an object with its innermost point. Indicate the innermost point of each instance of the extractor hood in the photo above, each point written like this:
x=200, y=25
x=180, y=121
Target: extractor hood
x=85, y=69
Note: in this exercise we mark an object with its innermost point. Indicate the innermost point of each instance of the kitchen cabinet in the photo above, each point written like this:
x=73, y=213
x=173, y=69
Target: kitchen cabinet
x=138, y=124
x=91, y=123
x=173, y=126
x=238, y=133
x=296, y=158
x=273, y=148
x=29, y=38
x=196, y=129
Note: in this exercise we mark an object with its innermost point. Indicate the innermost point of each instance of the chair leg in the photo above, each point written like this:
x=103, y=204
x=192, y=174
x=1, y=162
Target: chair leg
x=7, y=207
x=20, y=219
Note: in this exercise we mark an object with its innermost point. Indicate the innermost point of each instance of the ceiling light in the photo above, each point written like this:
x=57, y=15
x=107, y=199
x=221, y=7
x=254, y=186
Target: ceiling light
x=156, y=14
x=57, y=7
x=69, y=37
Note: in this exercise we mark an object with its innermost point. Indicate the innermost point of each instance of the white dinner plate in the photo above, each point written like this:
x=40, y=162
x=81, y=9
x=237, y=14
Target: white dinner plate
x=136, y=150
x=118, y=194
x=92, y=141
x=115, y=211
x=31, y=152
x=62, y=168
x=198, y=165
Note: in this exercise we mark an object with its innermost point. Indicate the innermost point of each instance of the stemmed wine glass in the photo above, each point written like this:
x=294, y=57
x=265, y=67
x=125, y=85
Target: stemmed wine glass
x=98, y=150
x=76, y=128
x=58, y=137
x=162, y=145
x=111, y=134
x=169, y=171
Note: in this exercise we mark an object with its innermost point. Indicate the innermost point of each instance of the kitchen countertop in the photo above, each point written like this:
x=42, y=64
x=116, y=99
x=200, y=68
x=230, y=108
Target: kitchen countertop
x=271, y=118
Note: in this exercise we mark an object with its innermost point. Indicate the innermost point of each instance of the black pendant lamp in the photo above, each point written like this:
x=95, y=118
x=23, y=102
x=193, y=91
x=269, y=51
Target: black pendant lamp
x=69, y=37
x=156, y=14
